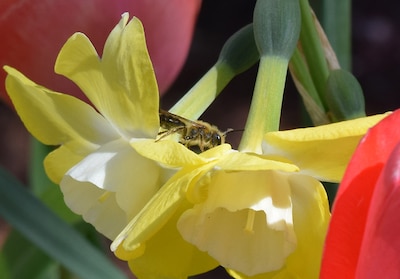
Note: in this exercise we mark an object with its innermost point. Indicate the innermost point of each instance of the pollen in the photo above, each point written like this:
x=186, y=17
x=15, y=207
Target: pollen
x=250, y=221
x=104, y=197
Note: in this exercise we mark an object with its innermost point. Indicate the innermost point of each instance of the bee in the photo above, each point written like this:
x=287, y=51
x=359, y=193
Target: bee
x=193, y=134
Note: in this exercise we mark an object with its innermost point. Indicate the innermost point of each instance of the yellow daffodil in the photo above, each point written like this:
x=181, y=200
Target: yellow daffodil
x=151, y=242
x=102, y=177
x=261, y=216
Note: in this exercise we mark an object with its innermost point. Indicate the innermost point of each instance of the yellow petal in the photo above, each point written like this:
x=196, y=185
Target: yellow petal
x=216, y=152
x=231, y=161
x=167, y=255
x=237, y=161
x=152, y=217
x=323, y=151
x=270, y=275
x=311, y=217
x=156, y=212
x=246, y=221
x=122, y=84
x=59, y=161
x=55, y=118
x=167, y=152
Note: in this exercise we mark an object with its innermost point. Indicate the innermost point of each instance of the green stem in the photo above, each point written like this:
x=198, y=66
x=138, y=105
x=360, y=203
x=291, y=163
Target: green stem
x=237, y=55
x=313, y=51
x=300, y=71
x=198, y=99
x=265, y=110
x=336, y=21
x=305, y=86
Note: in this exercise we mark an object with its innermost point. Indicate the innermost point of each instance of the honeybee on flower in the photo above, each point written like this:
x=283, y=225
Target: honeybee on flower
x=192, y=133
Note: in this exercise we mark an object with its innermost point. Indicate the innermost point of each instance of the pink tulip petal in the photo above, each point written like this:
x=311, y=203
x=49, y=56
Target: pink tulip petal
x=34, y=31
x=170, y=26
x=350, y=210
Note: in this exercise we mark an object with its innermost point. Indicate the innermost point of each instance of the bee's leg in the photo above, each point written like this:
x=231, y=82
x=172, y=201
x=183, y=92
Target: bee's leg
x=166, y=133
x=201, y=145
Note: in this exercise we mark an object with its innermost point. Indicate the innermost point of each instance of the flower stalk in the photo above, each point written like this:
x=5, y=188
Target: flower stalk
x=265, y=109
x=311, y=47
x=276, y=31
x=336, y=21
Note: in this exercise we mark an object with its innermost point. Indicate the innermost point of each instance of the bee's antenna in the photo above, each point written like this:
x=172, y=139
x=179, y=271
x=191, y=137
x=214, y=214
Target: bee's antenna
x=230, y=130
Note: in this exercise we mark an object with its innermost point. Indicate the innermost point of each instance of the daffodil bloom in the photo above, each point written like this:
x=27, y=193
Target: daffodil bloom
x=151, y=242
x=101, y=176
x=257, y=215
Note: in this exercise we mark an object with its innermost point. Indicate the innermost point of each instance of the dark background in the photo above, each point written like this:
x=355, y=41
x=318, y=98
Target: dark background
x=376, y=60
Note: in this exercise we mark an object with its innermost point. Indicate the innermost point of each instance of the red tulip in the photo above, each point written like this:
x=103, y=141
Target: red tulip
x=363, y=239
x=34, y=31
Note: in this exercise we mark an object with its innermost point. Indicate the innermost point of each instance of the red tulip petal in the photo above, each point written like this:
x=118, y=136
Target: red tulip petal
x=346, y=227
x=380, y=251
x=34, y=31
x=353, y=199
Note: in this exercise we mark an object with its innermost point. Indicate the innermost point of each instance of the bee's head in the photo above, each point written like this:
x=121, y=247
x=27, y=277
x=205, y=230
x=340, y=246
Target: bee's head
x=217, y=139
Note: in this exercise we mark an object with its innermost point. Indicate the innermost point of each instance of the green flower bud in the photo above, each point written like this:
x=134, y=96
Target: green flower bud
x=344, y=96
x=277, y=26
x=240, y=52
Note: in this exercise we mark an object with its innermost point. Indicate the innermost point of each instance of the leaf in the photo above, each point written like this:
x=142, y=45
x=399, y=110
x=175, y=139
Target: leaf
x=21, y=259
x=41, y=226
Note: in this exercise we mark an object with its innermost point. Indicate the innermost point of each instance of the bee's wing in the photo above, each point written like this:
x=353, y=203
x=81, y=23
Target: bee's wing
x=187, y=122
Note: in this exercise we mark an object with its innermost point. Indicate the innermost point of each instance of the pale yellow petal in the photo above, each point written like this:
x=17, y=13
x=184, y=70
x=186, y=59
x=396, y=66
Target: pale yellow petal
x=122, y=84
x=167, y=152
x=116, y=167
x=221, y=234
x=216, y=152
x=246, y=221
x=59, y=161
x=78, y=60
x=311, y=217
x=126, y=62
x=323, y=151
x=97, y=206
x=238, y=161
x=55, y=118
x=167, y=255
x=156, y=212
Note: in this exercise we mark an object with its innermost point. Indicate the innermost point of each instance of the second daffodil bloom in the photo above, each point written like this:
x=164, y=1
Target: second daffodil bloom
x=258, y=215
x=101, y=176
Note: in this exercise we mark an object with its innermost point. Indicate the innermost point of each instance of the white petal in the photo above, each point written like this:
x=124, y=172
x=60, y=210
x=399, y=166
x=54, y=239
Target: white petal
x=97, y=207
x=95, y=168
x=114, y=175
